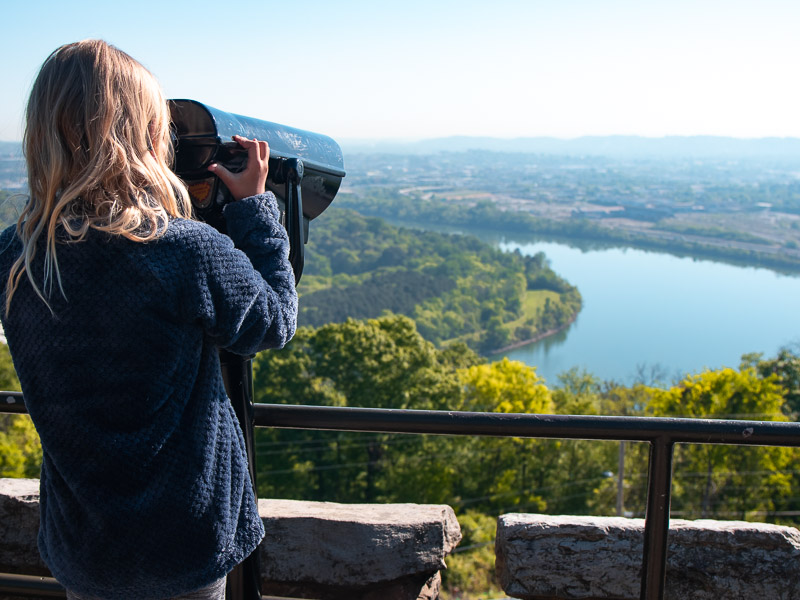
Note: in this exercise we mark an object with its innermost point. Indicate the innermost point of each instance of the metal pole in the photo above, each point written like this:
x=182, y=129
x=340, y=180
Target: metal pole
x=620, y=480
x=244, y=581
x=30, y=586
x=656, y=525
x=574, y=427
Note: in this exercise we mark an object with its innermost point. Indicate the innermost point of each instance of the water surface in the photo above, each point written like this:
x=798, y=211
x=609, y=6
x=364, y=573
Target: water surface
x=649, y=313
x=645, y=310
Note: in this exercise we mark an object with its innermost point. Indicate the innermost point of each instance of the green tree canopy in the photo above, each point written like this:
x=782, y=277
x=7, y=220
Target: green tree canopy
x=727, y=481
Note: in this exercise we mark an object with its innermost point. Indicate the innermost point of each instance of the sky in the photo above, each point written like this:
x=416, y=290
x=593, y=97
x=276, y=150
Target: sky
x=382, y=69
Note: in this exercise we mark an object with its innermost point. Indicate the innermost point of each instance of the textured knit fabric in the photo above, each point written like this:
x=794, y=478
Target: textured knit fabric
x=144, y=486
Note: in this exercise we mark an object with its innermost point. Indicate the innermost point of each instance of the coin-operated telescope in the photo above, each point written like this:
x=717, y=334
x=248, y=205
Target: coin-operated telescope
x=305, y=169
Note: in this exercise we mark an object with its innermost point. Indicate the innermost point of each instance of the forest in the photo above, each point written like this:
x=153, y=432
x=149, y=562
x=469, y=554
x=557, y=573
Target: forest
x=455, y=287
x=386, y=363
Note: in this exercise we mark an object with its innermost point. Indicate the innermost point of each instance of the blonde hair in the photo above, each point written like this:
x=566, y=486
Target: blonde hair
x=97, y=147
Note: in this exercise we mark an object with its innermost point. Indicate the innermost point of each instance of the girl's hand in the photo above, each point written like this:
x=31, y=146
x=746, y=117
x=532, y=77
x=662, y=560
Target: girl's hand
x=253, y=179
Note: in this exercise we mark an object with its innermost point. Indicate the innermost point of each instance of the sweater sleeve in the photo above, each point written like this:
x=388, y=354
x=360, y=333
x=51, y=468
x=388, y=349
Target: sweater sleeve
x=247, y=298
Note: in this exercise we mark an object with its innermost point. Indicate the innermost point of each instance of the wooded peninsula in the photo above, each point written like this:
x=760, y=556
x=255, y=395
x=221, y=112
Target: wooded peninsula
x=454, y=287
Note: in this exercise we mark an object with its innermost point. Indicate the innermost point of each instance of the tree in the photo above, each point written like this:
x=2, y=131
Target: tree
x=8, y=376
x=381, y=363
x=722, y=481
x=20, y=448
x=786, y=368
x=501, y=472
x=506, y=386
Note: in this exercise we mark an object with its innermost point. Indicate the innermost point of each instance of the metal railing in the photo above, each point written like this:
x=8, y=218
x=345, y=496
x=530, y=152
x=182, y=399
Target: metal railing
x=661, y=433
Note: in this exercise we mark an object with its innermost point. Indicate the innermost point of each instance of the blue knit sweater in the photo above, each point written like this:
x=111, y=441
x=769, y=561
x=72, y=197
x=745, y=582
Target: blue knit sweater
x=145, y=491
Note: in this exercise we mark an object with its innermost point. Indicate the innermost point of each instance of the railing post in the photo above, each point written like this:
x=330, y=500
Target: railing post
x=656, y=525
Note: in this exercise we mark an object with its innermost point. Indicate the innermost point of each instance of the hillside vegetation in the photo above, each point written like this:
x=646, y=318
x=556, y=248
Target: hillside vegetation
x=455, y=287
x=386, y=363
x=676, y=238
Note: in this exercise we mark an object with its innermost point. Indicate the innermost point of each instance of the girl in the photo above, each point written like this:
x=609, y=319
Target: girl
x=116, y=303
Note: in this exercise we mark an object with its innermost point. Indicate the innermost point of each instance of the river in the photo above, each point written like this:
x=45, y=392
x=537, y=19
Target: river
x=648, y=312
x=653, y=315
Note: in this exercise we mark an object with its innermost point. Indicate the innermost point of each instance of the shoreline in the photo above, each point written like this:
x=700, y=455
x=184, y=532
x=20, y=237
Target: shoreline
x=537, y=338
x=732, y=252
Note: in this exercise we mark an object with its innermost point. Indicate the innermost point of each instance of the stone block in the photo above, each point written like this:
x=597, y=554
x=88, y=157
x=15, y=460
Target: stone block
x=312, y=549
x=591, y=558
x=19, y=527
x=382, y=551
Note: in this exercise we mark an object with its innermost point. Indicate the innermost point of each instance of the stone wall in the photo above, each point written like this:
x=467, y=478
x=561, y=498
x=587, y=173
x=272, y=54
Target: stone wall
x=396, y=551
x=591, y=558
x=311, y=549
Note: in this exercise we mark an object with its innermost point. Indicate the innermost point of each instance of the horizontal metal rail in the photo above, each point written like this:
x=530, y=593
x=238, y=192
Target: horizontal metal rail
x=661, y=433
x=31, y=586
x=12, y=402
x=577, y=427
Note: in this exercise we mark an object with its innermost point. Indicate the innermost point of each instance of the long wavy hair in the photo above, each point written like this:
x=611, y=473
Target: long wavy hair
x=97, y=147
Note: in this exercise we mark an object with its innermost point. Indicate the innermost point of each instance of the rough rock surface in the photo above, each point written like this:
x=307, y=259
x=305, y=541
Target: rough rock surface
x=313, y=547
x=591, y=558
x=19, y=527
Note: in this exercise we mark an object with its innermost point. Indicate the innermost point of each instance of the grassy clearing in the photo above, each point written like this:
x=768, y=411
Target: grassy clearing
x=532, y=301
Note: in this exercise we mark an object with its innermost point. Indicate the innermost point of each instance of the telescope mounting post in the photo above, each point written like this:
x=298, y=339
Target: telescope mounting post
x=290, y=173
x=244, y=582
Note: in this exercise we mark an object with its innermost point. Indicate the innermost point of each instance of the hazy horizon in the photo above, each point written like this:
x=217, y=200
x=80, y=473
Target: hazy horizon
x=457, y=136
x=774, y=150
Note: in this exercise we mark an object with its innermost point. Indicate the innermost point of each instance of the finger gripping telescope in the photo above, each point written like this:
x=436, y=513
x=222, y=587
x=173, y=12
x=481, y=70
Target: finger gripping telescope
x=305, y=169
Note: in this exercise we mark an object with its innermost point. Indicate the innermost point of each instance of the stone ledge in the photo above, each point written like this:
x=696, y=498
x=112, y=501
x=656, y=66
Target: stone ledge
x=312, y=549
x=323, y=549
x=599, y=558
x=19, y=526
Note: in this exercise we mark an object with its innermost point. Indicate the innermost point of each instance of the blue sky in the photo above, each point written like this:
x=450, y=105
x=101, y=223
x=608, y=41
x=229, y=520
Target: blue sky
x=416, y=69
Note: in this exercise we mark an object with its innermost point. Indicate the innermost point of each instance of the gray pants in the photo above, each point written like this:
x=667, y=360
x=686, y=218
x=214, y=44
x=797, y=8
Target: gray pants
x=215, y=591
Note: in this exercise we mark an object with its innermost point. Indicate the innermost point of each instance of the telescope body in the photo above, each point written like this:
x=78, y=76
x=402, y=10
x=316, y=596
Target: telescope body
x=204, y=136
